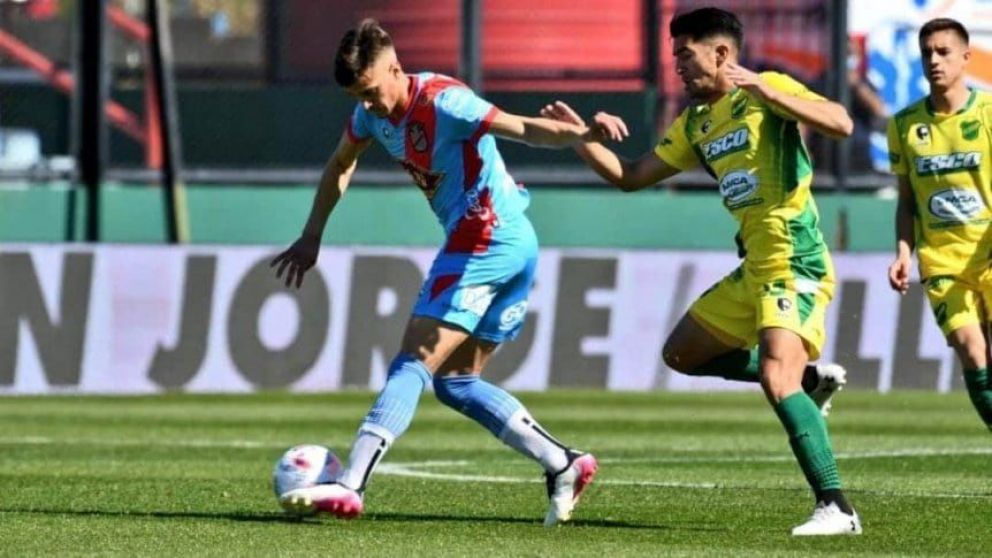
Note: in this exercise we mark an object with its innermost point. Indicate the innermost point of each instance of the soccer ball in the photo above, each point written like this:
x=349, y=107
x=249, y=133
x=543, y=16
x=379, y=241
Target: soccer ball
x=303, y=466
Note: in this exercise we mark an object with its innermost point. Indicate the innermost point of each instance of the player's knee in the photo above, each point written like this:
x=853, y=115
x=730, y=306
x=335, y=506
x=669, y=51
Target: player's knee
x=673, y=357
x=777, y=380
x=972, y=356
x=451, y=393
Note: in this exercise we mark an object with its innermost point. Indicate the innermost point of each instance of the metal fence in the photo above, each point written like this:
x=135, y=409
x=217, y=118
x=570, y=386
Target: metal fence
x=236, y=59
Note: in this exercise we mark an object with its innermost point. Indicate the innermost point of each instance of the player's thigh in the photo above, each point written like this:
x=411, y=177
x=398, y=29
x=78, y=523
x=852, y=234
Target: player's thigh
x=507, y=313
x=432, y=341
x=799, y=307
x=454, y=298
x=471, y=357
x=955, y=304
x=720, y=320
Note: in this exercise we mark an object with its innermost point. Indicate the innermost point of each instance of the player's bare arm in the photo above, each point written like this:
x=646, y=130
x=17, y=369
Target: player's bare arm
x=827, y=117
x=627, y=175
x=546, y=132
x=296, y=260
x=905, y=238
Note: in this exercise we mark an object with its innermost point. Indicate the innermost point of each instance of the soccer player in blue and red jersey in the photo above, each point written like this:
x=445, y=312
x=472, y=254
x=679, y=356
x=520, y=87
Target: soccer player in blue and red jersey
x=475, y=296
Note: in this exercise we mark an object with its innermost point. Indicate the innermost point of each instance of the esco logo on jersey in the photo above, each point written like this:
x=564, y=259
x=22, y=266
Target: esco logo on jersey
x=951, y=162
x=725, y=144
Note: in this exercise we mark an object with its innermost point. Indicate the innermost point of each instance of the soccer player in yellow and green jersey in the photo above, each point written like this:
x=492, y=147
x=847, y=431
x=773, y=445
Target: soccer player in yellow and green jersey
x=940, y=148
x=765, y=320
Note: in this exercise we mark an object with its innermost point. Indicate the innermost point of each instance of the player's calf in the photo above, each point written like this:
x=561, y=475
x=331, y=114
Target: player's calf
x=979, y=383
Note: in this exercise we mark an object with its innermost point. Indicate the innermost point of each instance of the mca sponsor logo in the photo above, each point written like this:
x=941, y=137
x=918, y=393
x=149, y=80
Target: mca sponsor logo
x=955, y=205
x=737, y=187
x=726, y=144
x=951, y=162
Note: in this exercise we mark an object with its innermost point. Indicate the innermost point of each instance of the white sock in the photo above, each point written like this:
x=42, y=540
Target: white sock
x=525, y=435
x=370, y=446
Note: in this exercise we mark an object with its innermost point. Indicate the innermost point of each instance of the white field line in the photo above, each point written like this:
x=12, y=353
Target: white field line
x=881, y=454
x=254, y=444
x=415, y=469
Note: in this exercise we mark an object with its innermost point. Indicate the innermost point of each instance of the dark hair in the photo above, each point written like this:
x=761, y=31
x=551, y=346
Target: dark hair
x=358, y=50
x=943, y=24
x=705, y=23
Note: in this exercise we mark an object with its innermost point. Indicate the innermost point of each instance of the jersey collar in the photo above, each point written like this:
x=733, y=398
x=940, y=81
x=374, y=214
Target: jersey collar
x=413, y=89
x=962, y=110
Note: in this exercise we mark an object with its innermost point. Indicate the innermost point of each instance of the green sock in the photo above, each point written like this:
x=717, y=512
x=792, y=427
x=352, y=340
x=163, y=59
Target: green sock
x=810, y=441
x=745, y=366
x=737, y=364
x=979, y=384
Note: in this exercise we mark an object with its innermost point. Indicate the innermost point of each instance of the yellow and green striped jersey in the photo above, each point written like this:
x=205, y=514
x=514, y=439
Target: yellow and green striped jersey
x=946, y=159
x=757, y=155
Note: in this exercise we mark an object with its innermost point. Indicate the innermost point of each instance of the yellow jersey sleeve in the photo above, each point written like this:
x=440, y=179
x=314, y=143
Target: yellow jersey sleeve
x=674, y=147
x=897, y=158
x=786, y=84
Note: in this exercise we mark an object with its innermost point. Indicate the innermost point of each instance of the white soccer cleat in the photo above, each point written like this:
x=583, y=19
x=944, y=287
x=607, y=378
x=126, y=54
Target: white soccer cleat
x=566, y=486
x=831, y=378
x=335, y=499
x=827, y=519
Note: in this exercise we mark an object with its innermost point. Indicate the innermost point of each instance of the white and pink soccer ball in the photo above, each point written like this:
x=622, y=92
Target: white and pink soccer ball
x=303, y=466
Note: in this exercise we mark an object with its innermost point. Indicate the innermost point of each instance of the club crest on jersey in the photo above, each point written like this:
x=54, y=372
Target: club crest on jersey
x=920, y=134
x=955, y=205
x=731, y=142
x=948, y=163
x=970, y=129
x=739, y=108
x=417, y=136
x=784, y=304
x=705, y=128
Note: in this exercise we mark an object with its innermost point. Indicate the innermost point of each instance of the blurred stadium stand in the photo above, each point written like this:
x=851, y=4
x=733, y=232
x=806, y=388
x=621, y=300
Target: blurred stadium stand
x=257, y=102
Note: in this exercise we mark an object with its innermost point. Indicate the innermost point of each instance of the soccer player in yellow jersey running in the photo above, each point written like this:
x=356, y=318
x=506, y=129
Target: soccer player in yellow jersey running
x=940, y=148
x=744, y=131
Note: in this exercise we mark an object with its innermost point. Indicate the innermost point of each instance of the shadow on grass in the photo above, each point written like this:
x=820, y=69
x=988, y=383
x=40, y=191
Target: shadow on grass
x=260, y=517
x=277, y=517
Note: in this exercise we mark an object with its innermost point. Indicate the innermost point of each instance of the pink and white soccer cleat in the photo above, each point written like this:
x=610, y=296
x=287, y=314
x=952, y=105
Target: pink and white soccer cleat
x=335, y=499
x=566, y=486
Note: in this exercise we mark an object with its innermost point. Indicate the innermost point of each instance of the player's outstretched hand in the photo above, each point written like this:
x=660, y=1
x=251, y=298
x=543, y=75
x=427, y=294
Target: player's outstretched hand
x=606, y=127
x=563, y=113
x=297, y=260
x=899, y=275
x=746, y=79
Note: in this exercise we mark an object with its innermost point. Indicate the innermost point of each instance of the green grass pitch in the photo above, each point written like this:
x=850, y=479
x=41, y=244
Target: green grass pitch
x=681, y=474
